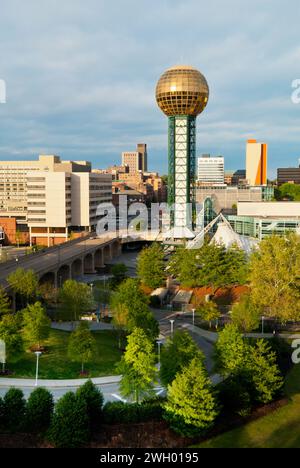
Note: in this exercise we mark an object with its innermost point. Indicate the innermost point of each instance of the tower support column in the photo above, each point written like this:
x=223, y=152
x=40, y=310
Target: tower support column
x=182, y=167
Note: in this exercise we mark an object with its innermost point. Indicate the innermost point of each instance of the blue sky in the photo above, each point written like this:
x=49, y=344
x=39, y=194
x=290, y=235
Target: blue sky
x=81, y=76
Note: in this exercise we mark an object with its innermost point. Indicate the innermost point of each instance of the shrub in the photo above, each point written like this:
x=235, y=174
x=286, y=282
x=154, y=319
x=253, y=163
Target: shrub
x=39, y=410
x=69, y=425
x=14, y=405
x=125, y=413
x=93, y=399
x=235, y=395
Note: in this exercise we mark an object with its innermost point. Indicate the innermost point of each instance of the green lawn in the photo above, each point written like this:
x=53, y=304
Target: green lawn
x=54, y=364
x=280, y=429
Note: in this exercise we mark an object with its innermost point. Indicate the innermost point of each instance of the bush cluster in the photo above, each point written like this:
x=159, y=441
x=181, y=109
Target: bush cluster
x=126, y=413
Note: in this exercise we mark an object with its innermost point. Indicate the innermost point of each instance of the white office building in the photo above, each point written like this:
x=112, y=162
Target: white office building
x=211, y=170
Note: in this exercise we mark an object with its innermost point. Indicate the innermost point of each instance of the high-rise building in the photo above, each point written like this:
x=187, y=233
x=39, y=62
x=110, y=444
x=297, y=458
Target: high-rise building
x=62, y=202
x=288, y=175
x=256, y=163
x=182, y=94
x=136, y=160
x=211, y=170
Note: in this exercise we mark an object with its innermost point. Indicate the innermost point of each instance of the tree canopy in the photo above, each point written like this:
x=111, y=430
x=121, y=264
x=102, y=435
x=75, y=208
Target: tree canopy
x=191, y=406
x=25, y=283
x=82, y=345
x=5, y=303
x=36, y=324
x=138, y=367
x=275, y=277
x=151, y=267
x=75, y=299
x=176, y=354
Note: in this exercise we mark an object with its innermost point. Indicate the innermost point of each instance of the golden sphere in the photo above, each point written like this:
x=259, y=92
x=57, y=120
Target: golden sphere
x=182, y=90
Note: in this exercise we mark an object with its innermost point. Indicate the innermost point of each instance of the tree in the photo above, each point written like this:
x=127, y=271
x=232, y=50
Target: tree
x=14, y=405
x=288, y=191
x=120, y=321
x=82, y=345
x=208, y=311
x=69, y=425
x=94, y=400
x=264, y=371
x=119, y=273
x=275, y=279
x=132, y=304
x=211, y=265
x=176, y=354
x=25, y=283
x=75, y=300
x=5, y=304
x=245, y=315
x=39, y=410
x=36, y=324
x=151, y=267
x=138, y=366
x=10, y=334
x=191, y=407
x=231, y=351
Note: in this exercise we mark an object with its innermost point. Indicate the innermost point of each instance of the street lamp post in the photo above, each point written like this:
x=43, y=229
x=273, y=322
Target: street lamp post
x=38, y=354
x=193, y=310
x=172, y=327
x=159, y=343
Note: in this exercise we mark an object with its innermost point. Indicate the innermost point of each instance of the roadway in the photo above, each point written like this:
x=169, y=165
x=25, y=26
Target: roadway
x=52, y=259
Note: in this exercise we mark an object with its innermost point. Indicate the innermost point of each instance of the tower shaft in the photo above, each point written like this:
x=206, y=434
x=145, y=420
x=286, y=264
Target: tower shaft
x=182, y=168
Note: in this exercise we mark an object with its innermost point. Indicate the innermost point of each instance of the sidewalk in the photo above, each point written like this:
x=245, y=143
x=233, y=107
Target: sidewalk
x=71, y=326
x=30, y=383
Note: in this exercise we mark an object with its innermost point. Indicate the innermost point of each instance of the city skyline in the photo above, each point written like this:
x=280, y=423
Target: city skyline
x=68, y=94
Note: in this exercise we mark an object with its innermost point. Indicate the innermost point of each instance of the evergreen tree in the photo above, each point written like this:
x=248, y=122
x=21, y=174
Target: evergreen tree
x=138, y=367
x=191, y=407
x=231, y=350
x=93, y=399
x=69, y=425
x=39, y=410
x=176, y=354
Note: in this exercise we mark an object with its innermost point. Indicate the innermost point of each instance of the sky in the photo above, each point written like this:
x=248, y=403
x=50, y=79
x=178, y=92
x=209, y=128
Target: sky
x=81, y=77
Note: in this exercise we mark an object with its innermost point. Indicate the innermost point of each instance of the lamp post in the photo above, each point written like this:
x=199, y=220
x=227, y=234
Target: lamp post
x=159, y=343
x=172, y=327
x=193, y=310
x=38, y=354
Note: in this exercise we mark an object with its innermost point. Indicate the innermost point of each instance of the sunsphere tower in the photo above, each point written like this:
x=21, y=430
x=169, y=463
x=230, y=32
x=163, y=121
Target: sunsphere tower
x=182, y=94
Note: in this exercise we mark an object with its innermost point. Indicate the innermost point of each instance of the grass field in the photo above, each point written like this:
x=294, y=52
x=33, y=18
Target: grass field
x=54, y=364
x=280, y=429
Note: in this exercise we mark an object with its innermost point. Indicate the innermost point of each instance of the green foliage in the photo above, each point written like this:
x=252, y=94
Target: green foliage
x=10, y=334
x=265, y=375
x=14, y=405
x=93, y=399
x=245, y=315
x=231, y=351
x=208, y=311
x=275, y=278
x=252, y=369
x=118, y=412
x=119, y=273
x=5, y=304
x=39, y=410
x=289, y=191
x=82, y=345
x=69, y=425
x=36, y=324
x=138, y=367
x=75, y=300
x=191, y=408
x=130, y=307
x=212, y=266
x=25, y=283
x=176, y=354
x=150, y=267
x=235, y=394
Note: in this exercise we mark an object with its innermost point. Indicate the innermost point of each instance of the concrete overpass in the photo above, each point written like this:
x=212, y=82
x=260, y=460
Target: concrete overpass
x=67, y=261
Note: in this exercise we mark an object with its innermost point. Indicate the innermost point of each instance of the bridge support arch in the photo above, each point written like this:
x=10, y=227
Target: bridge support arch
x=89, y=263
